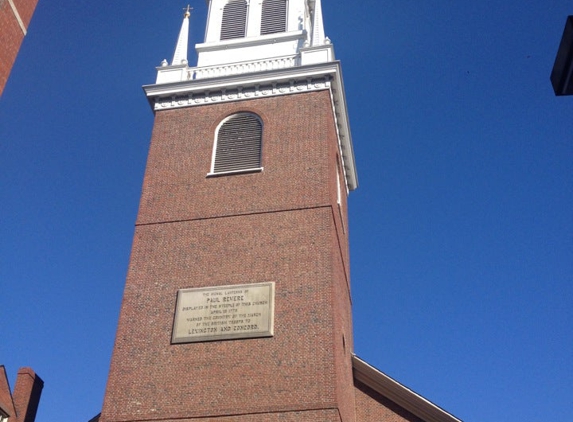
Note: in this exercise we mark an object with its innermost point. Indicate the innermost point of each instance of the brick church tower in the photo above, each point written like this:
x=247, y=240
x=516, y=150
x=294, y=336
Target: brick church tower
x=15, y=16
x=237, y=301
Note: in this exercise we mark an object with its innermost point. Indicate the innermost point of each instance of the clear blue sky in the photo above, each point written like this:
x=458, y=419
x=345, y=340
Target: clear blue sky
x=461, y=229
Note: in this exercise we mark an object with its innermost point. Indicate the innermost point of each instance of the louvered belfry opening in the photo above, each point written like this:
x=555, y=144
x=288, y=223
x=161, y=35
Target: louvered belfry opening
x=239, y=144
x=234, y=20
x=274, y=16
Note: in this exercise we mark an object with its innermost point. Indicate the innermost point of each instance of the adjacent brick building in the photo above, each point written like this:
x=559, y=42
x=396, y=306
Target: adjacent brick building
x=237, y=303
x=562, y=72
x=22, y=404
x=15, y=16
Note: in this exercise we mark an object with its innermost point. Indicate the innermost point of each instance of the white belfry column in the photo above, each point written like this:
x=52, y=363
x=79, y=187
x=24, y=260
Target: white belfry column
x=254, y=14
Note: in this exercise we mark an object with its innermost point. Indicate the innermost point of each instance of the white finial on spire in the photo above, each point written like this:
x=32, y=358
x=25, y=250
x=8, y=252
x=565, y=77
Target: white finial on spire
x=317, y=25
x=180, y=56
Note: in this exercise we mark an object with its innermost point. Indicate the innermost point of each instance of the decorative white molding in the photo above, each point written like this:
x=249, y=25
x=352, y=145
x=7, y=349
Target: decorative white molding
x=240, y=68
x=313, y=55
x=243, y=92
x=250, y=41
x=170, y=74
x=249, y=49
x=226, y=173
x=181, y=73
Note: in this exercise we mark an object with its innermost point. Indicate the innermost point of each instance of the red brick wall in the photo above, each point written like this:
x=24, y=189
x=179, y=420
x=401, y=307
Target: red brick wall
x=371, y=406
x=11, y=34
x=326, y=415
x=27, y=392
x=295, y=157
x=5, y=394
x=279, y=225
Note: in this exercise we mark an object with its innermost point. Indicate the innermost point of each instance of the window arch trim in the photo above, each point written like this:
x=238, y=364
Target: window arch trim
x=238, y=145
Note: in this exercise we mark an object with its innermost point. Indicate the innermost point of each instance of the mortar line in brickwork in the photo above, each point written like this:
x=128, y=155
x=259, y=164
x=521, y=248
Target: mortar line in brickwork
x=346, y=270
x=234, y=415
x=232, y=215
x=17, y=16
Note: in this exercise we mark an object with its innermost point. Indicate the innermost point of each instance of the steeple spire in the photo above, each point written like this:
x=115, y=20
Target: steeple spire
x=180, y=56
x=318, y=37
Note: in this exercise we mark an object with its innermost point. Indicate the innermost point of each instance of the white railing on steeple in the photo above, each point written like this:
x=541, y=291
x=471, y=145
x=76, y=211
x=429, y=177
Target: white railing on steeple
x=168, y=74
x=240, y=68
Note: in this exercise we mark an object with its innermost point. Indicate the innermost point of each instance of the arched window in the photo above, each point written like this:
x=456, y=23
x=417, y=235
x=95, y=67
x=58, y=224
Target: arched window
x=234, y=20
x=238, y=144
x=274, y=16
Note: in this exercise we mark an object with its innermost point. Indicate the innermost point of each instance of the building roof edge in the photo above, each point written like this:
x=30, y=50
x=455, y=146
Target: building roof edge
x=6, y=392
x=399, y=393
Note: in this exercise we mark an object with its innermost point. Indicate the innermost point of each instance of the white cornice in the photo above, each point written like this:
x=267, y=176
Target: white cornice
x=250, y=41
x=244, y=79
x=399, y=394
x=247, y=86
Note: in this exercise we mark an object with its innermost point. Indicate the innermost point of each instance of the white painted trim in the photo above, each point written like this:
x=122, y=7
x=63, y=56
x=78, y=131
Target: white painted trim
x=318, y=36
x=339, y=137
x=218, y=94
x=250, y=41
x=398, y=393
x=225, y=173
x=216, y=142
x=17, y=16
x=180, y=54
x=214, y=71
x=346, y=148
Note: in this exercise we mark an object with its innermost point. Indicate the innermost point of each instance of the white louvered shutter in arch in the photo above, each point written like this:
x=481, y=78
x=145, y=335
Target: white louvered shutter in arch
x=234, y=20
x=274, y=16
x=239, y=144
